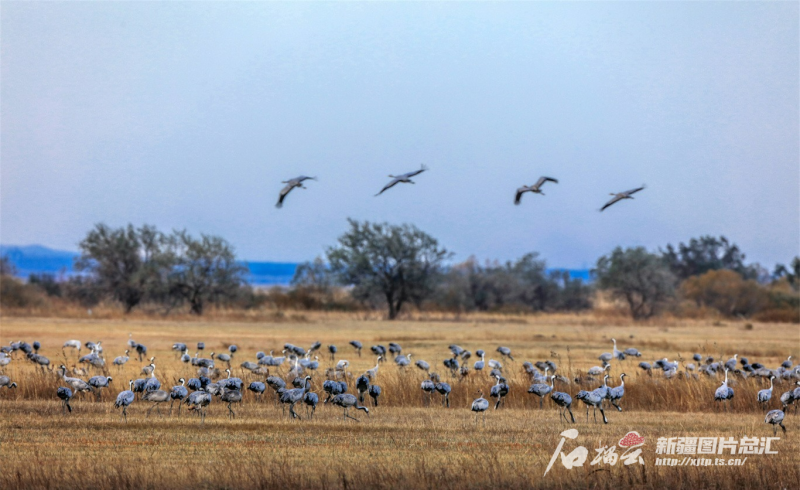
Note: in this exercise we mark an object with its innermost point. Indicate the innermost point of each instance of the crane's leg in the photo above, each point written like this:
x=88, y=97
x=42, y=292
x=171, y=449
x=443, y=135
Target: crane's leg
x=150, y=410
x=570, y=414
x=125, y=413
x=170, y=407
x=541, y=401
x=603, y=413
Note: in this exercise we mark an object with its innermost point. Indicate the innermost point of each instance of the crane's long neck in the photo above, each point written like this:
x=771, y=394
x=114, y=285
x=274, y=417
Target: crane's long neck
x=552, y=383
x=130, y=385
x=770, y=384
x=183, y=382
x=726, y=378
x=377, y=363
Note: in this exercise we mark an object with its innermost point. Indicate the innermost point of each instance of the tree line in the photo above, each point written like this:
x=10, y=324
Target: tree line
x=397, y=267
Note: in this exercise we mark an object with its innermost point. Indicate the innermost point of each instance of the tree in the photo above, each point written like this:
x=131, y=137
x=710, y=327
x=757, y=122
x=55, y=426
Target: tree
x=791, y=273
x=705, y=254
x=638, y=277
x=126, y=262
x=401, y=262
x=727, y=292
x=205, y=270
x=7, y=268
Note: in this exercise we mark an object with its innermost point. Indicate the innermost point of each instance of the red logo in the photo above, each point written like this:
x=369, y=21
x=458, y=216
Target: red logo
x=631, y=439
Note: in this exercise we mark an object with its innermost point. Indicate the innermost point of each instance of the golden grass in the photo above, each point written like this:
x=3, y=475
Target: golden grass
x=403, y=443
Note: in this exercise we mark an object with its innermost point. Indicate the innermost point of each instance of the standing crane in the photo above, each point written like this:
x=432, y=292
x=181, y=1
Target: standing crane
x=124, y=399
x=348, y=401
x=561, y=399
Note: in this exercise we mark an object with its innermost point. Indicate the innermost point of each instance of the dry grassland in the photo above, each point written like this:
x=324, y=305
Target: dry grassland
x=406, y=442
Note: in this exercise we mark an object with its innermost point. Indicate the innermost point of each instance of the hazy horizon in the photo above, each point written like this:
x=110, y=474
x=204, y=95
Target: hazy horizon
x=189, y=115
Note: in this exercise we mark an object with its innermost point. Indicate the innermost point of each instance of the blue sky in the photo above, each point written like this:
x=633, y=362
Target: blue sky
x=189, y=115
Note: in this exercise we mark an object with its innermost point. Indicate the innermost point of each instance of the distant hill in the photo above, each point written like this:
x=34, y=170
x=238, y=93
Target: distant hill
x=36, y=259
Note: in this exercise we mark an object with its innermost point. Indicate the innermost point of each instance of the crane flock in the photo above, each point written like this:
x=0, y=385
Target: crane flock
x=296, y=386
x=405, y=178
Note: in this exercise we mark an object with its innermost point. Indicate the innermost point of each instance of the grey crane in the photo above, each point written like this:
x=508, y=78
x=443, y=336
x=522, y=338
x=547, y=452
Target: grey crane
x=499, y=391
x=120, y=361
x=787, y=398
x=179, y=347
x=630, y=351
x=157, y=397
x=124, y=399
x=775, y=418
x=74, y=344
x=535, y=188
x=505, y=352
x=152, y=383
x=373, y=373
x=332, y=350
x=765, y=395
x=615, y=394
x=198, y=401
x=291, y=397
x=423, y=365
x=480, y=405
x=479, y=365
x=5, y=381
x=541, y=390
x=333, y=388
x=348, y=401
x=428, y=387
x=291, y=184
x=787, y=364
x=178, y=392
x=597, y=370
x=603, y=391
x=405, y=179
x=394, y=348
x=724, y=393
x=147, y=370
x=231, y=396
x=731, y=363
x=444, y=390
x=374, y=393
x=231, y=383
x=98, y=383
x=563, y=400
x=310, y=400
x=362, y=386
x=592, y=399
x=249, y=366
x=622, y=195
x=65, y=394
x=403, y=361
x=357, y=346
x=258, y=388
x=77, y=384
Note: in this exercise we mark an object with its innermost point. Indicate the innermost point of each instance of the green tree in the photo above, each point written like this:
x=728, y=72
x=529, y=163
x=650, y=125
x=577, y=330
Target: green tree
x=791, y=273
x=638, y=277
x=401, y=262
x=205, y=270
x=705, y=254
x=125, y=262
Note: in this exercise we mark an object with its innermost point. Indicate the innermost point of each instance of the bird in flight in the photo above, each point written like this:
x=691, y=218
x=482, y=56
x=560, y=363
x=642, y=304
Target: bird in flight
x=622, y=195
x=405, y=178
x=535, y=188
x=291, y=184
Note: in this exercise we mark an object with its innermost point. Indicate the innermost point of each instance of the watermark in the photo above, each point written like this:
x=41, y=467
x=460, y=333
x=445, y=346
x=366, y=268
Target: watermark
x=632, y=444
x=715, y=445
x=687, y=461
x=691, y=451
